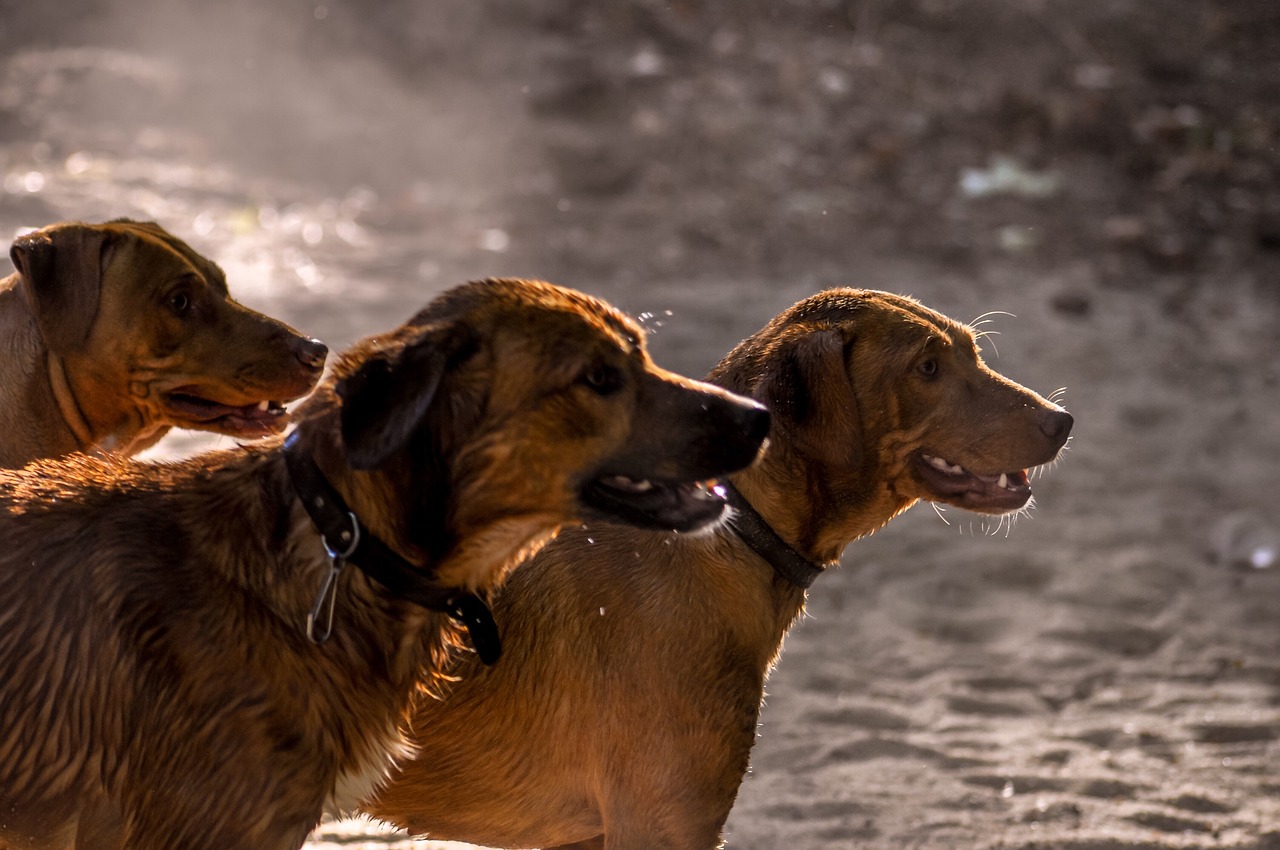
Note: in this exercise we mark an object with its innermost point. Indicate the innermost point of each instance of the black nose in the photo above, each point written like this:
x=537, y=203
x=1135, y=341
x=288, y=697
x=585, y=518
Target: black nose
x=754, y=421
x=311, y=352
x=1056, y=425
x=735, y=439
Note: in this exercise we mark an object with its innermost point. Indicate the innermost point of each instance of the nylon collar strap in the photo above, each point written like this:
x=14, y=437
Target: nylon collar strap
x=760, y=536
x=338, y=526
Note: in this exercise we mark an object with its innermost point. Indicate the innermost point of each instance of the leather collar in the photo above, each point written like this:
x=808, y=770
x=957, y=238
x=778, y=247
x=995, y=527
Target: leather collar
x=760, y=536
x=347, y=539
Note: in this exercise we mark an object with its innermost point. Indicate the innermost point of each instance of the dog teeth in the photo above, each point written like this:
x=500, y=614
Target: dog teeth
x=631, y=485
x=1003, y=481
x=939, y=463
x=264, y=406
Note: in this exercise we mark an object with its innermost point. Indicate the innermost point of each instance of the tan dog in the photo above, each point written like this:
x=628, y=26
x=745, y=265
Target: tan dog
x=157, y=685
x=625, y=711
x=111, y=334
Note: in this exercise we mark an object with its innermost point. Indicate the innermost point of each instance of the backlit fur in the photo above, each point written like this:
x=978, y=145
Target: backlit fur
x=101, y=322
x=157, y=689
x=624, y=715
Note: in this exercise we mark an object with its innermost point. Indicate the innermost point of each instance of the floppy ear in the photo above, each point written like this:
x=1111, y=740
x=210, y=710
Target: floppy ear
x=62, y=269
x=808, y=388
x=386, y=398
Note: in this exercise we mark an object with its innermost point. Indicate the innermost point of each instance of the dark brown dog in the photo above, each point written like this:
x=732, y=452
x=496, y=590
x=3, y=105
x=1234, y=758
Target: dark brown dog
x=114, y=333
x=625, y=711
x=157, y=685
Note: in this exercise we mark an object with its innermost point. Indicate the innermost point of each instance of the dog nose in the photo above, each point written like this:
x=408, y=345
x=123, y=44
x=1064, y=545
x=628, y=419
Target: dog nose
x=311, y=352
x=1056, y=425
x=754, y=421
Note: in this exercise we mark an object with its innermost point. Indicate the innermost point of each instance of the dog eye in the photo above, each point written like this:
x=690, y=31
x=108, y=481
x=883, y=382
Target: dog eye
x=180, y=303
x=602, y=379
x=928, y=368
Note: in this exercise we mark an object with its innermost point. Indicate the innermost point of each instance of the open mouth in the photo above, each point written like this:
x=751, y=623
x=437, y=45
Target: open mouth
x=949, y=482
x=250, y=420
x=648, y=503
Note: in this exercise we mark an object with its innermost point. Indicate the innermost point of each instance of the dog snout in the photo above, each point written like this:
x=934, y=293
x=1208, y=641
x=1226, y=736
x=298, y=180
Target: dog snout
x=311, y=352
x=753, y=421
x=1056, y=425
x=736, y=427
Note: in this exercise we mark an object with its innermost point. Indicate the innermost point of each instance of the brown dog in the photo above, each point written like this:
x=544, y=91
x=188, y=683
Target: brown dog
x=114, y=333
x=157, y=685
x=625, y=711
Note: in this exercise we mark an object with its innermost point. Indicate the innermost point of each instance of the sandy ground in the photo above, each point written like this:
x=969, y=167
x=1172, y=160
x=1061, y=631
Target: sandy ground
x=1101, y=675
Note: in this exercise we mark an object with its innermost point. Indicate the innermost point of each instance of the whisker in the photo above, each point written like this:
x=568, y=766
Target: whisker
x=987, y=315
x=937, y=509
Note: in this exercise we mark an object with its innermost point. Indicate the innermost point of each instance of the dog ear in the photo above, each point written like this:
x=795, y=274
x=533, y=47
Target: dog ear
x=62, y=270
x=388, y=396
x=808, y=388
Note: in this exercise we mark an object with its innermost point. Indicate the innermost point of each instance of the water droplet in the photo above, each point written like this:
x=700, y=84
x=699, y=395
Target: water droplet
x=312, y=233
x=646, y=63
x=78, y=163
x=495, y=239
x=1007, y=791
x=33, y=181
x=203, y=224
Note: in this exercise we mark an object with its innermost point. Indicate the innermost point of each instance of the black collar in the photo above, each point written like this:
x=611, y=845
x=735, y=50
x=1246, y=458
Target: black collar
x=347, y=539
x=760, y=536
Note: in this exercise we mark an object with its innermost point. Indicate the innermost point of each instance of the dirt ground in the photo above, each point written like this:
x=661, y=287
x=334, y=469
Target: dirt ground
x=1104, y=674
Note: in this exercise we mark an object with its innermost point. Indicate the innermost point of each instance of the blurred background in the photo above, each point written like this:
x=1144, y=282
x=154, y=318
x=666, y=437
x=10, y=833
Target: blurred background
x=1104, y=172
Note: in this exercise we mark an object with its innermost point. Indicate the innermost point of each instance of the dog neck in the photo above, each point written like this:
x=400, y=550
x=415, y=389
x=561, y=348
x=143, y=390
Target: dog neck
x=66, y=401
x=760, y=536
x=347, y=539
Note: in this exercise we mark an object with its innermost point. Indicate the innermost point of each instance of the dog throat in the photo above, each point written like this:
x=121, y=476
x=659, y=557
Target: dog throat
x=347, y=540
x=760, y=536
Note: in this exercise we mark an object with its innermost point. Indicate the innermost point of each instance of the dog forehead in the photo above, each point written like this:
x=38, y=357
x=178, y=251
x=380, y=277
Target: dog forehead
x=545, y=313
x=923, y=324
x=865, y=310
x=169, y=249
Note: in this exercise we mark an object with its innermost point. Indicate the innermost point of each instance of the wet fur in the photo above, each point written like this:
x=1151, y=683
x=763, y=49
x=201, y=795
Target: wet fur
x=157, y=689
x=89, y=343
x=624, y=714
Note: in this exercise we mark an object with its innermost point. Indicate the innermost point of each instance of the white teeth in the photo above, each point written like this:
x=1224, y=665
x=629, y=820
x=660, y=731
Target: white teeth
x=939, y=463
x=264, y=406
x=1003, y=481
x=622, y=482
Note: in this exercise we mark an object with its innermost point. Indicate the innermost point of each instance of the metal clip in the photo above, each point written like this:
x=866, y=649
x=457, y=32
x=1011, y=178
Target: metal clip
x=329, y=587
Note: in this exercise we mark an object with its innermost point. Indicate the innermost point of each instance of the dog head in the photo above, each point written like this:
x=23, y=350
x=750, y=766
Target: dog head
x=883, y=402
x=522, y=405
x=150, y=338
